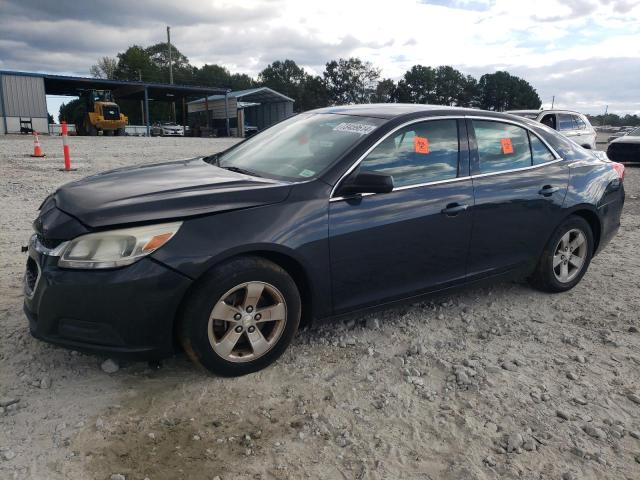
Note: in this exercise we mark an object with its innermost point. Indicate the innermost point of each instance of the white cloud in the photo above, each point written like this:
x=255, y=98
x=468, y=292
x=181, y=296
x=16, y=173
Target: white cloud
x=525, y=37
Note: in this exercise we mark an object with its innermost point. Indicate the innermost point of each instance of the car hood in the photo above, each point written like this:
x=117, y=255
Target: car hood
x=164, y=191
x=626, y=139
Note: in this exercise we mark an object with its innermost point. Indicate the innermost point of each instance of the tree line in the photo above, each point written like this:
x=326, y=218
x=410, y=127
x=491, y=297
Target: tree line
x=343, y=81
x=615, y=120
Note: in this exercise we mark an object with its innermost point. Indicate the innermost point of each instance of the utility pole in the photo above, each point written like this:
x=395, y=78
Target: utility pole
x=141, y=101
x=553, y=100
x=173, y=105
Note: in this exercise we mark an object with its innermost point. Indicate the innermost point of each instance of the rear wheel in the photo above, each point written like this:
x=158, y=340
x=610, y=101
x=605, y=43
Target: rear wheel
x=566, y=256
x=241, y=317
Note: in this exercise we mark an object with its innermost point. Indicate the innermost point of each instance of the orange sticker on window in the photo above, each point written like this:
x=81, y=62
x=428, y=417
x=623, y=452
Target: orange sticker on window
x=421, y=144
x=507, y=146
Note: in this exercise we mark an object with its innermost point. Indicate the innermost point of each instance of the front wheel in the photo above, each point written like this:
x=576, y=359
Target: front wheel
x=241, y=317
x=566, y=256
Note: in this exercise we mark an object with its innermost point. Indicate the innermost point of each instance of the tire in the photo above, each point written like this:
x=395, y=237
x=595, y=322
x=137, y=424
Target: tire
x=218, y=328
x=549, y=278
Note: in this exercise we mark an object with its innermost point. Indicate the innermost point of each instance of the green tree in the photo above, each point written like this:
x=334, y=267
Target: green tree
x=449, y=86
x=212, y=76
x=182, y=70
x=72, y=112
x=469, y=94
x=385, y=91
x=350, y=81
x=104, y=68
x=501, y=91
x=285, y=77
x=307, y=91
x=134, y=63
x=418, y=85
x=241, y=81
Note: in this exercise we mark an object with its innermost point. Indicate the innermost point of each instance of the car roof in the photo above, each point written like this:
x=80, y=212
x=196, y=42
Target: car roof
x=551, y=110
x=394, y=110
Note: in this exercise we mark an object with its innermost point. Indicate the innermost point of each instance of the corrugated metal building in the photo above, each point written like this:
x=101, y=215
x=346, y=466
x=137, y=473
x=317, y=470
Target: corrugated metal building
x=260, y=107
x=22, y=98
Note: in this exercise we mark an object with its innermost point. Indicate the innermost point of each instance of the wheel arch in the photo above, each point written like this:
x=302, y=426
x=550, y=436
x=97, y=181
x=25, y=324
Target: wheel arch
x=591, y=217
x=285, y=260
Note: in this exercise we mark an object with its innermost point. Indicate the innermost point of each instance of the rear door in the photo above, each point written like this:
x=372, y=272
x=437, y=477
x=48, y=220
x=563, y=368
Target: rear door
x=585, y=135
x=415, y=238
x=519, y=187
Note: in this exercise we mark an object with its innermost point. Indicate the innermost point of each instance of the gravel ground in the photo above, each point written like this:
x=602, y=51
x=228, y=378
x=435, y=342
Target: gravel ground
x=498, y=381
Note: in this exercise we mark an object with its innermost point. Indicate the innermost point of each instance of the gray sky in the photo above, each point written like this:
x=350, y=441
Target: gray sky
x=585, y=52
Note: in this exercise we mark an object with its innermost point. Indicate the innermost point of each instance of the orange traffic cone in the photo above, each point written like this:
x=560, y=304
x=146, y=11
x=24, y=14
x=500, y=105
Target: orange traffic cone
x=37, y=151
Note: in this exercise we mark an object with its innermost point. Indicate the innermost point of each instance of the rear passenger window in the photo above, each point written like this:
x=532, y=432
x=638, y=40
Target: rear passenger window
x=565, y=121
x=540, y=152
x=419, y=153
x=501, y=146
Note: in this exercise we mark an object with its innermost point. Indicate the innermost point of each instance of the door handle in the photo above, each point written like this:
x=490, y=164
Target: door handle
x=548, y=190
x=453, y=209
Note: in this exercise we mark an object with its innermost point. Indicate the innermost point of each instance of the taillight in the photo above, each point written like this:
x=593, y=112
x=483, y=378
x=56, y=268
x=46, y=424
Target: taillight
x=618, y=167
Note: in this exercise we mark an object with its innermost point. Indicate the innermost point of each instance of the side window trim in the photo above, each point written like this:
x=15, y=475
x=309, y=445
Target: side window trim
x=461, y=141
x=474, y=157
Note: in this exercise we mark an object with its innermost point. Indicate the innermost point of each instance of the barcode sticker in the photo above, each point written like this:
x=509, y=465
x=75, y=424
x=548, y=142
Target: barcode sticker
x=359, y=128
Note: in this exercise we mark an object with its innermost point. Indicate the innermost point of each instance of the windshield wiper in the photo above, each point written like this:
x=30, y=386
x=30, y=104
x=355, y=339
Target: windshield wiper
x=240, y=170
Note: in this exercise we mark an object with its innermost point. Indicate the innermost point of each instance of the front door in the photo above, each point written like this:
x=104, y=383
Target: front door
x=519, y=187
x=414, y=239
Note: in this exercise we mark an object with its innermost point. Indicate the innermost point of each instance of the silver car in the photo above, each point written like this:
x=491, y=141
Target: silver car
x=571, y=124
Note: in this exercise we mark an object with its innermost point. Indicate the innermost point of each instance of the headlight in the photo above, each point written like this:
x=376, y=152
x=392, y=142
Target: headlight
x=116, y=248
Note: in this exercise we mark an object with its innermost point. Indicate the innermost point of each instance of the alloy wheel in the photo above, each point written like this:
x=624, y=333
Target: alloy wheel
x=569, y=255
x=247, y=321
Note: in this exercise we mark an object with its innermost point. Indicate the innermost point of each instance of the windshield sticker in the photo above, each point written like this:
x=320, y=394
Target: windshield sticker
x=421, y=144
x=306, y=173
x=359, y=128
x=507, y=146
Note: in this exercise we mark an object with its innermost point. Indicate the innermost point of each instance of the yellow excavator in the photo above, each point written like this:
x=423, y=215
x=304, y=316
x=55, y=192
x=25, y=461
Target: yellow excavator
x=102, y=114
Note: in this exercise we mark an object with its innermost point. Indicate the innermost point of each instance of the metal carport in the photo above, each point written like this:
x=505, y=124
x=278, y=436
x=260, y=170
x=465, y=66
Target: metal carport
x=260, y=106
x=69, y=85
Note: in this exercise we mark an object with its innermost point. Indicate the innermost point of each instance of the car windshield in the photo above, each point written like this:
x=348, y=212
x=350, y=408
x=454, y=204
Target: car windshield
x=299, y=148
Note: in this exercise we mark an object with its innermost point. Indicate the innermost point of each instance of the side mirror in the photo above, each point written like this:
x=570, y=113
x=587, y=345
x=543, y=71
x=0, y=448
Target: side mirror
x=367, y=182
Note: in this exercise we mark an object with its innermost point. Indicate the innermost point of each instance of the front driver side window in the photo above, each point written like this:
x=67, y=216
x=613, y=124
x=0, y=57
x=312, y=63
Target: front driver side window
x=418, y=153
x=565, y=122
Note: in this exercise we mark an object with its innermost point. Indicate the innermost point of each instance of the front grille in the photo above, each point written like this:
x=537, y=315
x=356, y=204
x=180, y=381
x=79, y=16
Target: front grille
x=30, y=277
x=48, y=243
x=111, y=112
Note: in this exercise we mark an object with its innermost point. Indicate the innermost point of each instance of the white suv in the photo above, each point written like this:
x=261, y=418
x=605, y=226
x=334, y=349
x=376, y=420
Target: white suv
x=574, y=125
